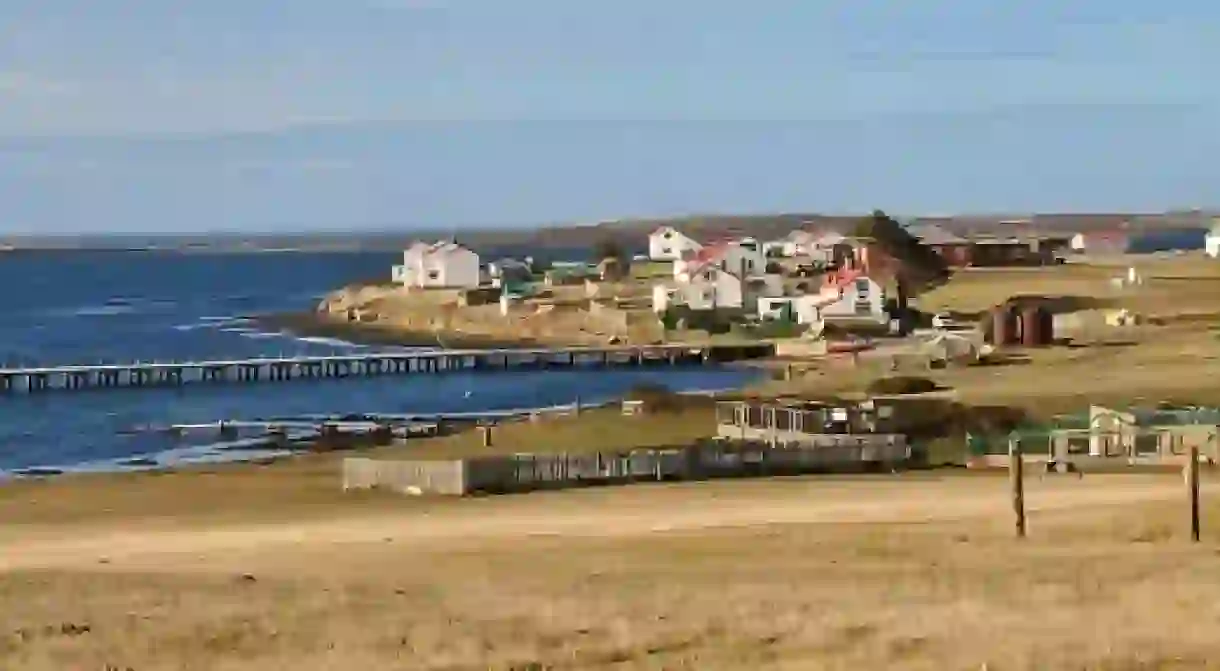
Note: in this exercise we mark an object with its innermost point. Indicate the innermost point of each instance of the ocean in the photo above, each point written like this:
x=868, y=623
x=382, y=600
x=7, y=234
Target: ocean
x=115, y=306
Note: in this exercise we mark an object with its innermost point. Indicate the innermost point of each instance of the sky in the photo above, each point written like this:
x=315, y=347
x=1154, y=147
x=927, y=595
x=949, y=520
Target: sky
x=254, y=115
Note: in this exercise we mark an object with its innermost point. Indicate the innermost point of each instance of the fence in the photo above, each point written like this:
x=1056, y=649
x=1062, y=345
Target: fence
x=1130, y=445
x=524, y=472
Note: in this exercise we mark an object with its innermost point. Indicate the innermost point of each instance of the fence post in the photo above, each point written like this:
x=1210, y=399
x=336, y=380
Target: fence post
x=1016, y=480
x=1192, y=489
x=486, y=430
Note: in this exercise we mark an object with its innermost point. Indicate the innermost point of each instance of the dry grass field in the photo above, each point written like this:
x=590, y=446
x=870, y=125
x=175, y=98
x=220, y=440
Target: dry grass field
x=902, y=572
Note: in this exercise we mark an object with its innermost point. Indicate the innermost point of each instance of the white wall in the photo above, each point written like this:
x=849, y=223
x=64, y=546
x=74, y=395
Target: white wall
x=743, y=261
x=661, y=297
x=454, y=268
x=862, y=292
x=668, y=244
x=411, y=270
x=805, y=309
x=710, y=289
x=1212, y=245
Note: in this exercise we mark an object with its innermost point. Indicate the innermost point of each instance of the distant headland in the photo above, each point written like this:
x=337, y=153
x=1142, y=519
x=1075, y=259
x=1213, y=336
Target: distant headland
x=581, y=235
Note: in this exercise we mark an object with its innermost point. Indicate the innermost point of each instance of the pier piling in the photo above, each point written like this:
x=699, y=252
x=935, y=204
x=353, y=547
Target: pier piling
x=176, y=374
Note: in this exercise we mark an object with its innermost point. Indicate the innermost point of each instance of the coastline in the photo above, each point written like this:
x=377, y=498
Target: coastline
x=256, y=453
x=313, y=324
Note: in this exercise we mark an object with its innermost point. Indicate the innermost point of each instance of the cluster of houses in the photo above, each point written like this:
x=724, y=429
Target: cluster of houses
x=814, y=277
x=746, y=278
x=808, y=277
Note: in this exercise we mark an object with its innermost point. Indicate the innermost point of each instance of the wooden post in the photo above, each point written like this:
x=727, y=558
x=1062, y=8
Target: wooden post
x=487, y=435
x=1016, y=479
x=1192, y=489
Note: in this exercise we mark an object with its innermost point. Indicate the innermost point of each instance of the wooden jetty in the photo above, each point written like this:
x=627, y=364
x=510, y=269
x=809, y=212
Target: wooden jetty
x=178, y=373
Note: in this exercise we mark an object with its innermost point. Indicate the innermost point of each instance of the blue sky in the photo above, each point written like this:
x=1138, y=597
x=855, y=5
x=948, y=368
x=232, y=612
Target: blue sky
x=145, y=115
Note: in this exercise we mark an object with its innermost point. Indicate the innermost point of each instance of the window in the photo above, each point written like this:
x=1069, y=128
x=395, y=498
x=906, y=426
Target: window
x=862, y=287
x=708, y=295
x=666, y=250
x=433, y=274
x=668, y=235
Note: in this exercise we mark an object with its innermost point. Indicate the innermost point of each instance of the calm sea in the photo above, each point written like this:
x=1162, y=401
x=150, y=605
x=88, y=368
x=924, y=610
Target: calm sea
x=82, y=308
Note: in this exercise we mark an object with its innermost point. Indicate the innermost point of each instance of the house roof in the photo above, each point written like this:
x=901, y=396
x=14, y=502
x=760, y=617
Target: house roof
x=446, y=248
x=418, y=247
x=842, y=278
x=710, y=253
x=662, y=230
x=931, y=234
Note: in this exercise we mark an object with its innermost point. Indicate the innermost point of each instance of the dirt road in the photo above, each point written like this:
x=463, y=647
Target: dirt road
x=590, y=513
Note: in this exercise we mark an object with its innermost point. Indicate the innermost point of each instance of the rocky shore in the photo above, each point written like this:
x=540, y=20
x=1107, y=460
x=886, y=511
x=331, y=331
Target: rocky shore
x=323, y=325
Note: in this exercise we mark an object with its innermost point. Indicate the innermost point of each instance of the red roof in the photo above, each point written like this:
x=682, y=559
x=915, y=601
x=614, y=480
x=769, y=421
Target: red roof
x=708, y=254
x=842, y=278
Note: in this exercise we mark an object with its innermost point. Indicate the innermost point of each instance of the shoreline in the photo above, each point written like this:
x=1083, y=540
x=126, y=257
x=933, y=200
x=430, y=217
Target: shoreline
x=203, y=457
x=315, y=325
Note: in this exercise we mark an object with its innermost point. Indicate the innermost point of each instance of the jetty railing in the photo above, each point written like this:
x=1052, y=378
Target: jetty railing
x=259, y=369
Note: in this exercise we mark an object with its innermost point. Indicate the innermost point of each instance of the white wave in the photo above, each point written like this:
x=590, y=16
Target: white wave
x=219, y=323
x=329, y=342
x=257, y=335
x=97, y=311
x=171, y=458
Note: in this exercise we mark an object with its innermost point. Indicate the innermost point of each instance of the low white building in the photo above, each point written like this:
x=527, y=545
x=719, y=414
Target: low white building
x=775, y=248
x=669, y=244
x=709, y=289
x=444, y=264
x=1211, y=243
x=817, y=245
x=1101, y=243
x=800, y=309
x=851, y=294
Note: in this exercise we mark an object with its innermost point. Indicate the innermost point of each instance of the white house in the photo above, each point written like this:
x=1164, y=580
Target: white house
x=1211, y=244
x=852, y=294
x=442, y=264
x=709, y=289
x=801, y=309
x=669, y=244
x=743, y=258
